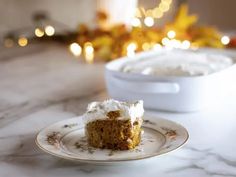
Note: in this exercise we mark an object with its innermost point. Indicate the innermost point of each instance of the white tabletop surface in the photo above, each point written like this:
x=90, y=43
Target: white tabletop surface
x=49, y=85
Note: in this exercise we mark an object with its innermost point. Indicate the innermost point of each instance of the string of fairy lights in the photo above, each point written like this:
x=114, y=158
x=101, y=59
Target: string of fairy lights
x=23, y=41
x=150, y=15
x=42, y=26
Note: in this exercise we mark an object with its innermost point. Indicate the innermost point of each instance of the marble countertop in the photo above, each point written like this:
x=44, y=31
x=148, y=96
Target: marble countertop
x=48, y=85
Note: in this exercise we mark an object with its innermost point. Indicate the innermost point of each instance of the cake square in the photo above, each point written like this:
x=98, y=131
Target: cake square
x=114, y=125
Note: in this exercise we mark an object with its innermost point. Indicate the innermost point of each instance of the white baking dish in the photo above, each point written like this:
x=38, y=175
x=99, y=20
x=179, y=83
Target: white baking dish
x=179, y=94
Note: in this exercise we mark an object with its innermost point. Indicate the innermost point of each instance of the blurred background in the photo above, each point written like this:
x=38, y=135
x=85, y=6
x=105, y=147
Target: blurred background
x=204, y=23
x=15, y=13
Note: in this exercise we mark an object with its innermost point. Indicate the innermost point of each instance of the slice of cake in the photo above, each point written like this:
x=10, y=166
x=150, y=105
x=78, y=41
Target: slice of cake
x=114, y=125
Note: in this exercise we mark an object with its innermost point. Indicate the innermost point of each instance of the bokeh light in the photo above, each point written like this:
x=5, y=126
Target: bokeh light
x=38, y=32
x=22, y=41
x=49, y=30
x=75, y=49
x=149, y=21
x=225, y=40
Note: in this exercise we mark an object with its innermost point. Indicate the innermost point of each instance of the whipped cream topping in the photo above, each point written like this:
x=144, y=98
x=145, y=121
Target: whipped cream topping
x=178, y=63
x=99, y=110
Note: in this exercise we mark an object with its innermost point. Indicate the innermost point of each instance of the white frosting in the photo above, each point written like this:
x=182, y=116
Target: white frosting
x=99, y=110
x=178, y=63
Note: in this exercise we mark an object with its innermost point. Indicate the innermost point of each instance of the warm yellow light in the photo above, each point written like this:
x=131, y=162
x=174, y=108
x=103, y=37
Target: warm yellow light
x=132, y=46
x=194, y=46
x=89, y=48
x=164, y=6
x=130, y=53
x=8, y=43
x=157, y=47
x=185, y=44
x=22, y=41
x=149, y=21
x=225, y=40
x=175, y=43
x=75, y=49
x=171, y=34
x=136, y=22
x=157, y=13
x=49, y=30
x=138, y=13
x=167, y=1
x=149, y=13
x=89, y=52
x=165, y=41
x=131, y=49
x=146, y=46
x=38, y=32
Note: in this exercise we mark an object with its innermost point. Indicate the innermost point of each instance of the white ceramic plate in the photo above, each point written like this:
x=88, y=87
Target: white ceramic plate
x=66, y=139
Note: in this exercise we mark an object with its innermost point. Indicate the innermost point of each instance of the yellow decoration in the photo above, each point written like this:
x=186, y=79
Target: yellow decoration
x=182, y=20
x=102, y=40
x=117, y=41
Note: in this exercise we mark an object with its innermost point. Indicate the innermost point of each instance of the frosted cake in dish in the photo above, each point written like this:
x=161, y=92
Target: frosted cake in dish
x=114, y=125
x=178, y=63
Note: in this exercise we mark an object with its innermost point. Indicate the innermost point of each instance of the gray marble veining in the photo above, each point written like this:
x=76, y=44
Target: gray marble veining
x=50, y=85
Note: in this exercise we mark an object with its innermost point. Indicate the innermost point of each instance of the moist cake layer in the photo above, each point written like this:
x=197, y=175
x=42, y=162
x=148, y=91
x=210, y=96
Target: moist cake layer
x=114, y=125
x=114, y=134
